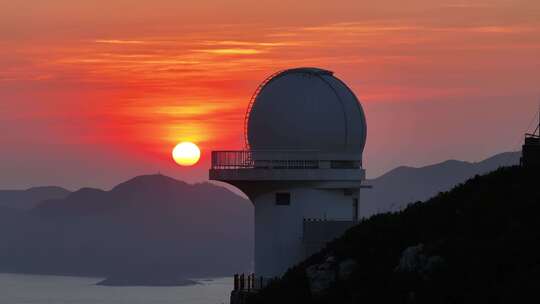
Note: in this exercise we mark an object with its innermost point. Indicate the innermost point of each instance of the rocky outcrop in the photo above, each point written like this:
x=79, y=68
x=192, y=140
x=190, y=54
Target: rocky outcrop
x=415, y=260
x=346, y=269
x=323, y=276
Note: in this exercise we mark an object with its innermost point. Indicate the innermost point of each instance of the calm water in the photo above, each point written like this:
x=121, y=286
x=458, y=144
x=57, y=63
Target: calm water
x=34, y=289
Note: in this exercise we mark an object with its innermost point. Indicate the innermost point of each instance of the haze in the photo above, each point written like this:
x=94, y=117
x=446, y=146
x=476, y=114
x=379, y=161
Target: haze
x=95, y=92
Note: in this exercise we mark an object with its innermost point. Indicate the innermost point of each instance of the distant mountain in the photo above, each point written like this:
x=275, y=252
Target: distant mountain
x=27, y=199
x=398, y=187
x=149, y=222
x=156, y=222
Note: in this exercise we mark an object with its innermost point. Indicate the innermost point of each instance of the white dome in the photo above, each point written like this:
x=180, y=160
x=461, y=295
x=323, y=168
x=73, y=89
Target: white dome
x=306, y=109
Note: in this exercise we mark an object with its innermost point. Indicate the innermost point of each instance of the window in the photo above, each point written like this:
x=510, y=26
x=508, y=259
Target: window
x=355, y=209
x=283, y=199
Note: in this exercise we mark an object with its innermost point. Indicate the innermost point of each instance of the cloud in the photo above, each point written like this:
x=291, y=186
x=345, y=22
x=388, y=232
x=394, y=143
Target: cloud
x=502, y=29
x=231, y=51
x=465, y=5
x=486, y=29
x=251, y=43
x=358, y=27
x=195, y=84
x=118, y=41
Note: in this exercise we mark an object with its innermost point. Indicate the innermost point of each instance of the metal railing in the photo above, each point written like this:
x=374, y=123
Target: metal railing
x=250, y=282
x=232, y=160
x=278, y=159
x=265, y=159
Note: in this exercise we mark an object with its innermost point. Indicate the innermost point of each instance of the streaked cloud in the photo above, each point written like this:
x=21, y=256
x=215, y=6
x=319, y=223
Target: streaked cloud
x=231, y=51
x=358, y=27
x=502, y=29
x=466, y=5
x=146, y=84
x=252, y=43
x=118, y=41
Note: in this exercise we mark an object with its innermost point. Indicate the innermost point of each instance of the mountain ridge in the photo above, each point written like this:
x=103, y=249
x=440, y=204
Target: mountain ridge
x=148, y=222
x=164, y=214
x=393, y=190
x=29, y=198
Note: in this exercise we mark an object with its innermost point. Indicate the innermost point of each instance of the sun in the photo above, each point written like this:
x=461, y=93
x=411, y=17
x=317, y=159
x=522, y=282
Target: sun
x=186, y=154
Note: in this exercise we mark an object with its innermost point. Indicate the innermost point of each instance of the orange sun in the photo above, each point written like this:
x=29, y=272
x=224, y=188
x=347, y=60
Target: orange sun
x=186, y=154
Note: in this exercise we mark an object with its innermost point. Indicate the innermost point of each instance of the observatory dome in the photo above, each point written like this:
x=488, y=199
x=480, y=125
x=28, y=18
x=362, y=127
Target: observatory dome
x=306, y=109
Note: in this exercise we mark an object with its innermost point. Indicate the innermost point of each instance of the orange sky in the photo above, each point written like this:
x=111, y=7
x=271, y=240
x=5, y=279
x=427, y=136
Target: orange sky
x=93, y=92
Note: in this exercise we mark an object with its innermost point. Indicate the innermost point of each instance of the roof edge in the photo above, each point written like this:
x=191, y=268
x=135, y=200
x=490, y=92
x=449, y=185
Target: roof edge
x=307, y=70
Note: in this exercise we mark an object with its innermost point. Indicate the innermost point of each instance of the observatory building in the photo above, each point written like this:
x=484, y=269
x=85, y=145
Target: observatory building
x=301, y=168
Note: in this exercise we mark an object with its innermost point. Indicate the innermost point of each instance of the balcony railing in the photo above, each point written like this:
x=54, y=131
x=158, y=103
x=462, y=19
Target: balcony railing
x=232, y=159
x=265, y=159
x=277, y=159
x=250, y=282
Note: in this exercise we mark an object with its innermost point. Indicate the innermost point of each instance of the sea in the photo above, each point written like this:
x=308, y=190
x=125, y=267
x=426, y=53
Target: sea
x=45, y=289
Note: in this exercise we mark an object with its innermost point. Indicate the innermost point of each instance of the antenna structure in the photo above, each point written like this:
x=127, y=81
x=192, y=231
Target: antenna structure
x=537, y=129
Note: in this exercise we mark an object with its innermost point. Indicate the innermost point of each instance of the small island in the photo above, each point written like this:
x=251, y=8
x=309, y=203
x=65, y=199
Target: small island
x=128, y=280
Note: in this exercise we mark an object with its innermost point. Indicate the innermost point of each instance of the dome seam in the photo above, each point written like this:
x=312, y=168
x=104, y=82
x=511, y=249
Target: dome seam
x=346, y=120
x=359, y=108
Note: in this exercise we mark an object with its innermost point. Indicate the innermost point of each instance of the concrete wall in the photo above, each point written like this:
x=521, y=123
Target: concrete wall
x=318, y=233
x=278, y=229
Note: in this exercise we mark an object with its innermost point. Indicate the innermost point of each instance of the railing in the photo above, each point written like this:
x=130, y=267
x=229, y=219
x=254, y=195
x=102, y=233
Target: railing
x=232, y=159
x=277, y=159
x=265, y=159
x=334, y=219
x=251, y=102
x=532, y=139
x=249, y=282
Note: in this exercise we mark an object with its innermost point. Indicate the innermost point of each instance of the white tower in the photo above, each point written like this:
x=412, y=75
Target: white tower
x=302, y=167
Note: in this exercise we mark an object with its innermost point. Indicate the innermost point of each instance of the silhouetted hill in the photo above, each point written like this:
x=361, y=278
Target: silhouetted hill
x=148, y=277
x=149, y=222
x=9, y=216
x=477, y=243
x=393, y=190
x=157, y=221
x=27, y=199
x=85, y=201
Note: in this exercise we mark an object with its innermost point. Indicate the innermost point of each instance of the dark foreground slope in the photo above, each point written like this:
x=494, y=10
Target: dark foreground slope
x=478, y=243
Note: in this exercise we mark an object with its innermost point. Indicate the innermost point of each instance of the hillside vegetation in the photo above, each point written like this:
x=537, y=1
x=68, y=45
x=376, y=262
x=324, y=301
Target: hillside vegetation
x=477, y=243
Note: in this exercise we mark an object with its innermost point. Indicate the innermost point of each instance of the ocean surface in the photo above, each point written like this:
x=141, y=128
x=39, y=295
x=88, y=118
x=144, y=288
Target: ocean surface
x=40, y=289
